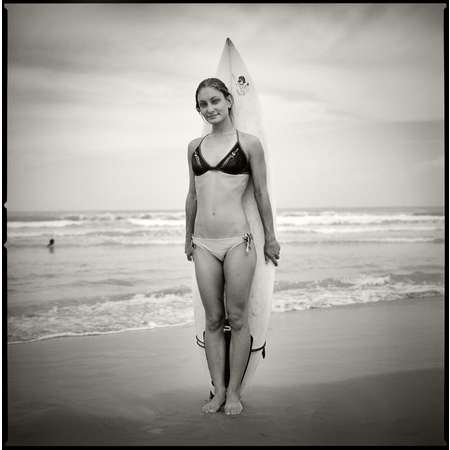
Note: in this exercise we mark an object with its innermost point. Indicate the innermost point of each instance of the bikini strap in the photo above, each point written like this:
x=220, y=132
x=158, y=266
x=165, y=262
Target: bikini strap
x=200, y=143
x=247, y=239
x=242, y=150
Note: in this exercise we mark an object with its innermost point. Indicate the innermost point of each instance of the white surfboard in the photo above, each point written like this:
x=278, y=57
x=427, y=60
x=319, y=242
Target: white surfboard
x=247, y=118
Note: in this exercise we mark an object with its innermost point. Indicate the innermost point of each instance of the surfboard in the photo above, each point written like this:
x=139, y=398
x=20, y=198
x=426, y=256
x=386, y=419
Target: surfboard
x=247, y=118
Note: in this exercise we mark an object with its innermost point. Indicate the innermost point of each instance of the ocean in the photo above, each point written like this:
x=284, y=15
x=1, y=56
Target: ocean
x=115, y=271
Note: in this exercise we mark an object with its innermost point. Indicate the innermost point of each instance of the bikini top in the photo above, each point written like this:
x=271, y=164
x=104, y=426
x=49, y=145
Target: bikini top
x=234, y=162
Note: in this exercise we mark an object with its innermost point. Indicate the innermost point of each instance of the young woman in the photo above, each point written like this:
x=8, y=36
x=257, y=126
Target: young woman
x=218, y=237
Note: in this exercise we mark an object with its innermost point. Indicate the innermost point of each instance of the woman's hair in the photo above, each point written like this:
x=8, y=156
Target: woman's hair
x=216, y=84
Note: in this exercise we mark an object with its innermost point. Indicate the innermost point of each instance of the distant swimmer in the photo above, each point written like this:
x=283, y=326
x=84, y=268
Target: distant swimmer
x=51, y=244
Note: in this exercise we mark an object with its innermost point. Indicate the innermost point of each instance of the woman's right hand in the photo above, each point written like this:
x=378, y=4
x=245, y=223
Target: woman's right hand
x=188, y=249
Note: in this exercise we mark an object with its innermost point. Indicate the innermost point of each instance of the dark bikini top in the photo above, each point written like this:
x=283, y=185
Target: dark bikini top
x=234, y=162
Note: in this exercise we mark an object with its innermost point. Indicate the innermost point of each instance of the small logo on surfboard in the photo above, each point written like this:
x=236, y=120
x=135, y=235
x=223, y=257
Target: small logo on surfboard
x=242, y=85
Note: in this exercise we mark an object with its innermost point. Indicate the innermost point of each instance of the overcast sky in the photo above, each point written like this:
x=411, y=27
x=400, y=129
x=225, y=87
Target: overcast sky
x=101, y=101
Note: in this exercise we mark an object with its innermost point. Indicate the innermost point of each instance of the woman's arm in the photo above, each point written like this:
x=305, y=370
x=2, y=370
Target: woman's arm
x=191, y=204
x=259, y=177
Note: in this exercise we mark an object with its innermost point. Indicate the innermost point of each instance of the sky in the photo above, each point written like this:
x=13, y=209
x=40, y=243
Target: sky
x=101, y=101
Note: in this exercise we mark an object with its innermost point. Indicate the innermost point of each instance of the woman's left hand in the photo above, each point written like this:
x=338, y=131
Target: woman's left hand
x=272, y=251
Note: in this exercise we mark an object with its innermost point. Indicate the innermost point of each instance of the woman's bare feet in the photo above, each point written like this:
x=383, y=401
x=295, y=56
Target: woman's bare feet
x=215, y=403
x=233, y=404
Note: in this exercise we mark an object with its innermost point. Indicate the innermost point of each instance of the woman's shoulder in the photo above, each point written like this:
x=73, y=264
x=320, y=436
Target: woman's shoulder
x=194, y=144
x=250, y=142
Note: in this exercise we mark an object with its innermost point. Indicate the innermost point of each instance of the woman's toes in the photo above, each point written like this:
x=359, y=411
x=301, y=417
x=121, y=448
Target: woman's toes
x=234, y=407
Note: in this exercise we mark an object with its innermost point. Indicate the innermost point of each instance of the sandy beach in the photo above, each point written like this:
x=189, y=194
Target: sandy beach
x=361, y=374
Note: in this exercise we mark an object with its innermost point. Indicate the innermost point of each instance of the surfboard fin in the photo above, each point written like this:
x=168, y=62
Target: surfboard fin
x=227, y=335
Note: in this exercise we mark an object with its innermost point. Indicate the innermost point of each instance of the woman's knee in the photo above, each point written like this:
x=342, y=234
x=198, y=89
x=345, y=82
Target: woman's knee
x=215, y=321
x=237, y=318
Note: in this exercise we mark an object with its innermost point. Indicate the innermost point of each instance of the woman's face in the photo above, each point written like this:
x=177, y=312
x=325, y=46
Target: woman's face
x=213, y=105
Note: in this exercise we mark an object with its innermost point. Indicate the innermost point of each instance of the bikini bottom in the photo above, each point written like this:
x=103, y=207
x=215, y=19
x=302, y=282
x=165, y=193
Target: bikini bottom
x=220, y=247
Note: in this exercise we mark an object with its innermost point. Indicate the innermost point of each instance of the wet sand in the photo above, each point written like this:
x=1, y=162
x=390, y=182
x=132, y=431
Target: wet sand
x=363, y=374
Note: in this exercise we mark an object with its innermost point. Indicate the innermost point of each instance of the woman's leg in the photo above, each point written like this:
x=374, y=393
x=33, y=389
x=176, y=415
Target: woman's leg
x=239, y=268
x=209, y=274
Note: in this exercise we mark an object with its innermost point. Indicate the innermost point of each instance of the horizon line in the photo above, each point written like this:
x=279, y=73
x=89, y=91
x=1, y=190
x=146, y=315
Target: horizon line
x=181, y=209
